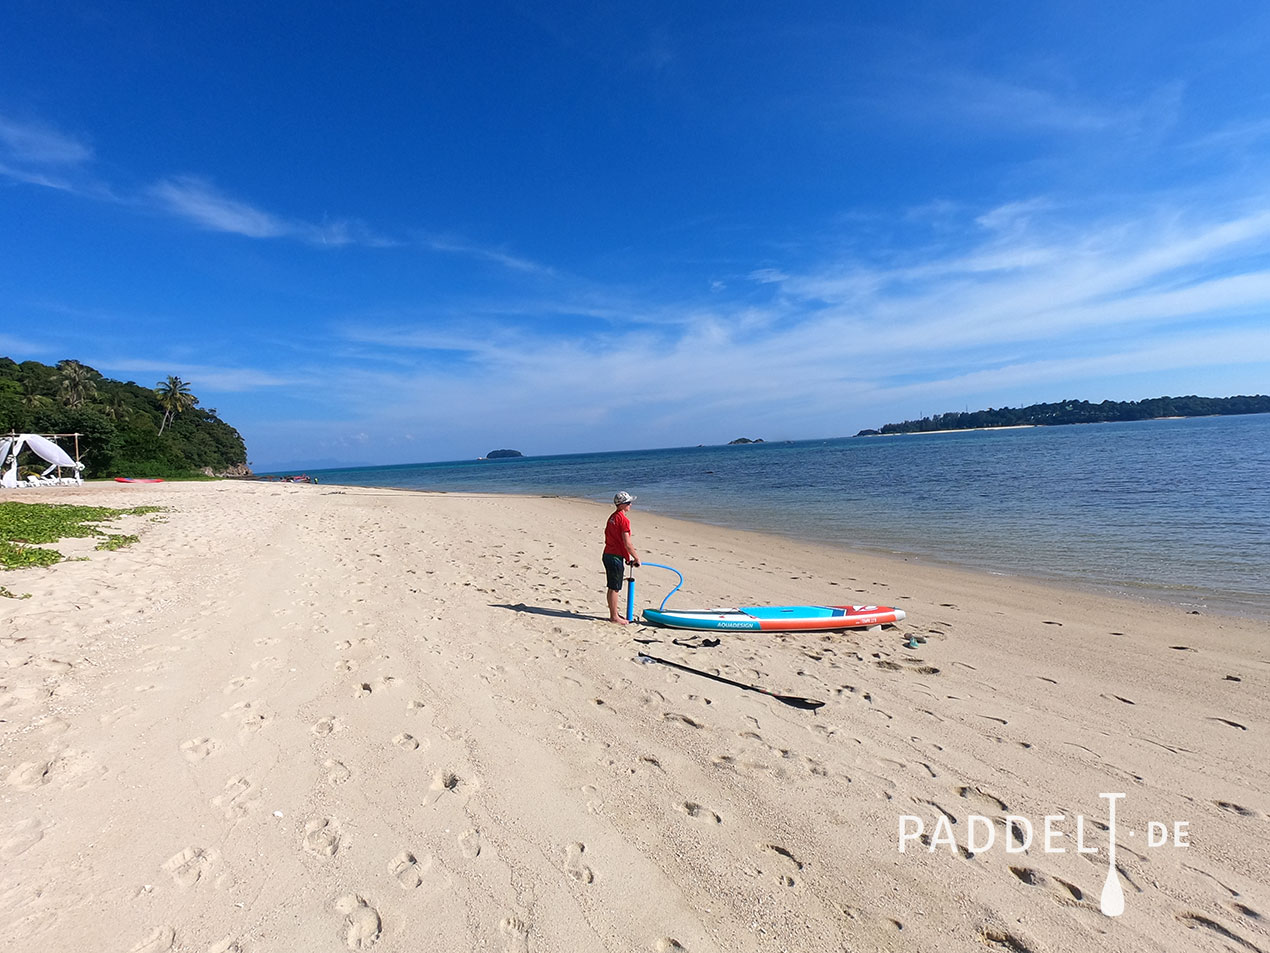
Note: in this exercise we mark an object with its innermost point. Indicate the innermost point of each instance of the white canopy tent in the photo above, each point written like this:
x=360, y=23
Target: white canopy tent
x=42, y=446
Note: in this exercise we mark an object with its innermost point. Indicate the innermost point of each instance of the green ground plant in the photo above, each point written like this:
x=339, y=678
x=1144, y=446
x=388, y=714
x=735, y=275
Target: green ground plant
x=25, y=525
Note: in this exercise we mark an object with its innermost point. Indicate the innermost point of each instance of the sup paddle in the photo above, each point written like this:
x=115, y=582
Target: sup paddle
x=793, y=701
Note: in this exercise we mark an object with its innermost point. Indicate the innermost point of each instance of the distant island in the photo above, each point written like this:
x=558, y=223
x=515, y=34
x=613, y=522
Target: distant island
x=496, y=454
x=744, y=440
x=1079, y=412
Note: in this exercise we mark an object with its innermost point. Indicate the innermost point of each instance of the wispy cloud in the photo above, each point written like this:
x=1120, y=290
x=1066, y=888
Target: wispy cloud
x=35, y=153
x=1040, y=302
x=198, y=201
x=457, y=247
x=209, y=376
x=999, y=102
x=38, y=144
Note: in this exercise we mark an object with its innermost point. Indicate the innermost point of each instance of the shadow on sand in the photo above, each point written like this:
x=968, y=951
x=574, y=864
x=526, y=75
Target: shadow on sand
x=539, y=610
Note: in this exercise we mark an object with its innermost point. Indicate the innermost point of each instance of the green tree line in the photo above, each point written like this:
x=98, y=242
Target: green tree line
x=1081, y=412
x=126, y=429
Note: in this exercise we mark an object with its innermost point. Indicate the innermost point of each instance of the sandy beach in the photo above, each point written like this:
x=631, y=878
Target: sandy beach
x=320, y=718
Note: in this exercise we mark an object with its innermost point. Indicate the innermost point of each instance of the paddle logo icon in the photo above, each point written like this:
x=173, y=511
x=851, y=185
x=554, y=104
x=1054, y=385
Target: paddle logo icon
x=1111, y=903
x=1050, y=834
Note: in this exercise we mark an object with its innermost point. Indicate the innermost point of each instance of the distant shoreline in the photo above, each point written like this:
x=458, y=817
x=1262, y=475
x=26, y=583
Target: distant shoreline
x=1078, y=412
x=915, y=433
x=1142, y=420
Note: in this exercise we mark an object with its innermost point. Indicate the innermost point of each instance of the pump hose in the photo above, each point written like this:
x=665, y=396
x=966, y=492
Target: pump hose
x=672, y=591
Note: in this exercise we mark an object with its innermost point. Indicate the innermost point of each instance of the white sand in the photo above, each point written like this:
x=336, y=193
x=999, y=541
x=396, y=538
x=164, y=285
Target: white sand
x=304, y=718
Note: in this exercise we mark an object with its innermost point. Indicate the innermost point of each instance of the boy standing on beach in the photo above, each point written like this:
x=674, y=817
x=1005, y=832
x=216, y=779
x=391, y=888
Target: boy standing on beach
x=618, y=551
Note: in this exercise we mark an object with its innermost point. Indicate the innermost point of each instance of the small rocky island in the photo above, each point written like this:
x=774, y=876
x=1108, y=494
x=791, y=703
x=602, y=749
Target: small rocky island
x=498, y=454
x=744, y=440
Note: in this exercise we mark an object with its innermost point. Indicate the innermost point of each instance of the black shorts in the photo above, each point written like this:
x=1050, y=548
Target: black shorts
x=615, y=569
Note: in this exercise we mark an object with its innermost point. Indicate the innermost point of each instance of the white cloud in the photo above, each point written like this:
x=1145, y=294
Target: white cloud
x=456, y=246
x=38, y=144
x=196, y=199
x=206, y=376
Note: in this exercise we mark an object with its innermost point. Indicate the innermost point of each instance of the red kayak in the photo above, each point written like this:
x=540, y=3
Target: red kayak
x=138, y=480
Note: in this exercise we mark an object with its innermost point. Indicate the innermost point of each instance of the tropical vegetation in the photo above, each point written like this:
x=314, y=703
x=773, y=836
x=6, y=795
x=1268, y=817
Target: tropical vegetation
x=1081, y=412
x=125, y=429
x=23, y=525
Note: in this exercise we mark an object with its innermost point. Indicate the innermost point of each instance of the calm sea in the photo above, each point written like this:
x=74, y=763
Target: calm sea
x=1167, y=509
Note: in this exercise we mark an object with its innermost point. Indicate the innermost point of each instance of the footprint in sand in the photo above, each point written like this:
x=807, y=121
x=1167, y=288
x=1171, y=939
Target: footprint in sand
x=362, y=925
x=336, y=772
x=699, y=813
x=189, y=866
x=322, y=836
x=29, y=775
x=574, y=865
x=22, y=837
x=594, y=802
x=251, y=716
x=1238, y=809
x=74, y=769
x=516, y=935
x=407, y=870
x=196, y=749
x=237, y=684
x=124, y=711
x=981, y=799
x=406, y=741
x=786, y=879
x=668, y=944
x=326, y=726
x=160, y=941
x=470, y=843
x=445, y=781
x=1062, y=891
x=51, y=665
x=240, y=797
x=685, y=719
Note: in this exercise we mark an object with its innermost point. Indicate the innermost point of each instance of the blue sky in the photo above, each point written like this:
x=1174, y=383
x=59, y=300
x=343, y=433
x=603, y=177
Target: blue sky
x=395, y=232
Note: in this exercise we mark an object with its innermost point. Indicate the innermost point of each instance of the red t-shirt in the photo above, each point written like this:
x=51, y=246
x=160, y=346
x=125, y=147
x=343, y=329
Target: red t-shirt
x=618, y=524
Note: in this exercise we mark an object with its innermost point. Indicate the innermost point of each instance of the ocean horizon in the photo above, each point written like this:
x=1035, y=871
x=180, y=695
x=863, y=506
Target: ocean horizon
x=1174, y=510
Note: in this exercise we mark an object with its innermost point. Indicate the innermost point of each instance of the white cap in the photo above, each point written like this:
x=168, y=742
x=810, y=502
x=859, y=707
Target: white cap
x=623, y=497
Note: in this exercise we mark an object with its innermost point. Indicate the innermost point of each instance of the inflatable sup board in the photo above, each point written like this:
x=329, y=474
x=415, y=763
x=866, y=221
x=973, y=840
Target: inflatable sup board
x=777, y=618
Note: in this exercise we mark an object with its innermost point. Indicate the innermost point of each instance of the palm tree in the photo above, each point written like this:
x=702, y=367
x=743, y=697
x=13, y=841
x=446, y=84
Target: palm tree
x=117, y=408
x=78, y=382
x=33, y=401
x=174, y=394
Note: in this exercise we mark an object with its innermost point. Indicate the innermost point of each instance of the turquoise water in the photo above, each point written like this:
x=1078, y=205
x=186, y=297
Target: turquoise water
x=1172, y=509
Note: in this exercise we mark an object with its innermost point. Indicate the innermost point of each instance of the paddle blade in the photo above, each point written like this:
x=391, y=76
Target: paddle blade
x=793, y=701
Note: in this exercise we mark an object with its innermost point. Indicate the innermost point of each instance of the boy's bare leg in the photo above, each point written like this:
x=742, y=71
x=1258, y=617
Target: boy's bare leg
x=614, y=614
